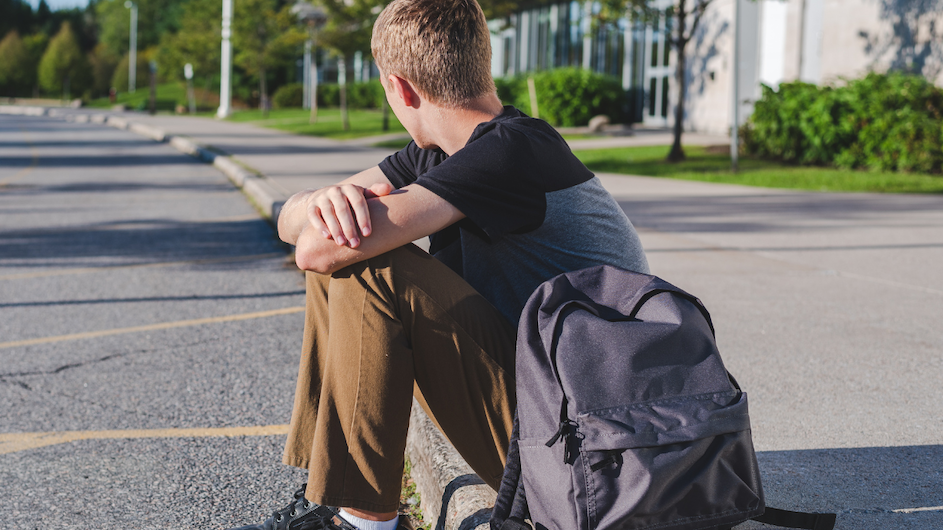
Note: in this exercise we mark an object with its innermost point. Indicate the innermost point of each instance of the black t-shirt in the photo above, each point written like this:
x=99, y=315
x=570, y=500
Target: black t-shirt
x=533, y=210
x=498, y=180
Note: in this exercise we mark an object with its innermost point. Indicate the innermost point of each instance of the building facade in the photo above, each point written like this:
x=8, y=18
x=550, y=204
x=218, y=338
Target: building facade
x=818, y=41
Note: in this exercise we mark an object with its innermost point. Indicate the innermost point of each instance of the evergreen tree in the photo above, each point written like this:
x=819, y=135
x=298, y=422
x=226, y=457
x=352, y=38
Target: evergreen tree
x=63, y=64
x=15, y=15
x=15, y=66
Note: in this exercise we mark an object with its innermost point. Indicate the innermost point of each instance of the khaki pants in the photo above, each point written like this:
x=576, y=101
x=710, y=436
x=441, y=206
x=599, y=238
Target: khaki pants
x=376, y=333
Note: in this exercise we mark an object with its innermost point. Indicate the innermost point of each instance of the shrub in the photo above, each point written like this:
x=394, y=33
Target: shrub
x=365, y=95
x=882, y=121
x=567, y=96
x=289, y=96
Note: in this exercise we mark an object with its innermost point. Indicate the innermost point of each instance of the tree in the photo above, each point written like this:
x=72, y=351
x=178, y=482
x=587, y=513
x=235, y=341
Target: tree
x=156, y=17
x=103, y=64
x=15, y=15
x=265, y=36
x=686, y=16
x=119, y=76
x=348, y=30
x=62, y=64
x=15, y=65
x=196, y=42
x=35, y=45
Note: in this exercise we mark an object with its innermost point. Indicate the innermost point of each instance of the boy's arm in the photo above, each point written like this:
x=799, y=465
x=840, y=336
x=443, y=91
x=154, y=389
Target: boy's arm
x=397, y=219
x=339, y=210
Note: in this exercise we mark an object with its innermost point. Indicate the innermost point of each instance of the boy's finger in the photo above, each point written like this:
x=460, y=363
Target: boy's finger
x=347, y=226
x=334, y=230
x=361, y=213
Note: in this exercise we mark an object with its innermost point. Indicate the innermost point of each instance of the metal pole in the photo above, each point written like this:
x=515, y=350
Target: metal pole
x=313, y=92
x=132, y=47
x=734, y=133
x=225, y=84
x=306, y=76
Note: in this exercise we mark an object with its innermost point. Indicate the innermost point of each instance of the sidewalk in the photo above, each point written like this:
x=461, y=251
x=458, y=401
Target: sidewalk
x=826, y=305
x=290, y=163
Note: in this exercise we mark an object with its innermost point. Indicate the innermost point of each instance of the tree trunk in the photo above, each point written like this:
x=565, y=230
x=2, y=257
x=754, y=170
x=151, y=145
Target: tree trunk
x=263, y=93
x=677, y=152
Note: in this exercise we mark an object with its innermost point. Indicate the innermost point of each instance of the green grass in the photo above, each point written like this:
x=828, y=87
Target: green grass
x=711, y=166
x=409, y=498
x=167, y=95
x=363, y=122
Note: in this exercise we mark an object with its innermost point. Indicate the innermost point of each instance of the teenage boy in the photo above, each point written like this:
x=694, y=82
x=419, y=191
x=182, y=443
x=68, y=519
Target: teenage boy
x=506, y=205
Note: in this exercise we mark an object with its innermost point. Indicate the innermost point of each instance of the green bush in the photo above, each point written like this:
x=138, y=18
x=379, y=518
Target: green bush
x=289, y=96
x=365, y=95
x=882, y=121
x=567, y=96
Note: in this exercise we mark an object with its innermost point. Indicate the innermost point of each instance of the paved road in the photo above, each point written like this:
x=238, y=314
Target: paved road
x=828, y=310
x=145, y=311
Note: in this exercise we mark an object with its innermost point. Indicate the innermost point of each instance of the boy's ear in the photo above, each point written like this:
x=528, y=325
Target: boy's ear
x=404, y=90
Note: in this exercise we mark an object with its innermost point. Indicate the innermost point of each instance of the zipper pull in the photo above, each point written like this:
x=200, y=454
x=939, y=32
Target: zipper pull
x=566, y=426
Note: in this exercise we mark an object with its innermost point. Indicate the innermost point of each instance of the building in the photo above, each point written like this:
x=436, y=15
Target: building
x=818, y=41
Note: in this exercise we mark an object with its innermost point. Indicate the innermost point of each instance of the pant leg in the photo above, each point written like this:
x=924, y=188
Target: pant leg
x=371, y=331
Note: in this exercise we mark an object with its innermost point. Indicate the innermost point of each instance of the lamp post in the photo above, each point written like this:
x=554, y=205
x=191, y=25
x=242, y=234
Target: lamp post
x=313, y=18
x=133, y=46
x=735, y=118
x=225, y=82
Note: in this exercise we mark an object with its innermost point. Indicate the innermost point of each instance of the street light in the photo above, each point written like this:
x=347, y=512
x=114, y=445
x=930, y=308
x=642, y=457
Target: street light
x=133, y=45
x=313, y=18
x=225, y=84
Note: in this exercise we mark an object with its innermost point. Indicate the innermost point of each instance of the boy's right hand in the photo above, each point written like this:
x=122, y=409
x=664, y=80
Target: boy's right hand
x=340, y=212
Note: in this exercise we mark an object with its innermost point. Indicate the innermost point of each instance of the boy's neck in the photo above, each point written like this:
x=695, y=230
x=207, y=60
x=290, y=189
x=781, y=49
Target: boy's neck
x=452, y=127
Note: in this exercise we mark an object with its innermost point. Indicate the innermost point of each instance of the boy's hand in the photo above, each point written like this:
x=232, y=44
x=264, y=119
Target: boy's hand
x=340, y=212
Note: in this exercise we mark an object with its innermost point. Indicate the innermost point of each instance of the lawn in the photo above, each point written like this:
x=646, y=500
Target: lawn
x=363, y=122
x=713, y=165
x=167, y=96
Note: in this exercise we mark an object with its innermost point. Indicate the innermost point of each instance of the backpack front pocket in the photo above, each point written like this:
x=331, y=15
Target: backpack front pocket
x=680, y=463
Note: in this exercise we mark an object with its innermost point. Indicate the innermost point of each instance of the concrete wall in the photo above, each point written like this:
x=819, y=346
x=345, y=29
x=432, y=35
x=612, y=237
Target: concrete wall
x=819, y=41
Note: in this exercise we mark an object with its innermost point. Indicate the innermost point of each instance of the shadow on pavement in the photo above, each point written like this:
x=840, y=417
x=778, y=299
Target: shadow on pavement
x=869, y=487
x=150, y=240
x=774, y=211
x=110, y=160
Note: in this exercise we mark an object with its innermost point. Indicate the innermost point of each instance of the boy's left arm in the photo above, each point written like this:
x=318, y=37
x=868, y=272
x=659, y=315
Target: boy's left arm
x=397, y=219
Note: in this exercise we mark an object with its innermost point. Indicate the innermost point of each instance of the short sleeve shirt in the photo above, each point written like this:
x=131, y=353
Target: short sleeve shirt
x=532, y=209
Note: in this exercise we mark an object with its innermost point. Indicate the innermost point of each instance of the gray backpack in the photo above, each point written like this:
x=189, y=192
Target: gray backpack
x=626, y=416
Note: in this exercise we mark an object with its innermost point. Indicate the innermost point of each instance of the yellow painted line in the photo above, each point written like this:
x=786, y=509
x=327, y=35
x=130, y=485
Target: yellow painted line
x=25, y=171
x=21, y=441
x=152, y=327
x=89, y=270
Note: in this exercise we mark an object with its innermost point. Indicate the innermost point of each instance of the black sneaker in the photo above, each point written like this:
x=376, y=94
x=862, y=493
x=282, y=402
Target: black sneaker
x=303, y=514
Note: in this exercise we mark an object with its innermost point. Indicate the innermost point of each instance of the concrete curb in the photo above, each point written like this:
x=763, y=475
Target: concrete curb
x=265, y=195
x=447, y=485
x=23, y=111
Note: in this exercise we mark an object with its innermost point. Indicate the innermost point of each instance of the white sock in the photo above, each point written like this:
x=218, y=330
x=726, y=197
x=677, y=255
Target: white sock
x=364, y=524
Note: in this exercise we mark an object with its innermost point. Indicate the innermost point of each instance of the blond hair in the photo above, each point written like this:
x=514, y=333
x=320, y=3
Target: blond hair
x=443, y=47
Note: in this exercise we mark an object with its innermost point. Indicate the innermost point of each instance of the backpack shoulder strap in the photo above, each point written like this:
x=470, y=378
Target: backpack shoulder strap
x=809, y=521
